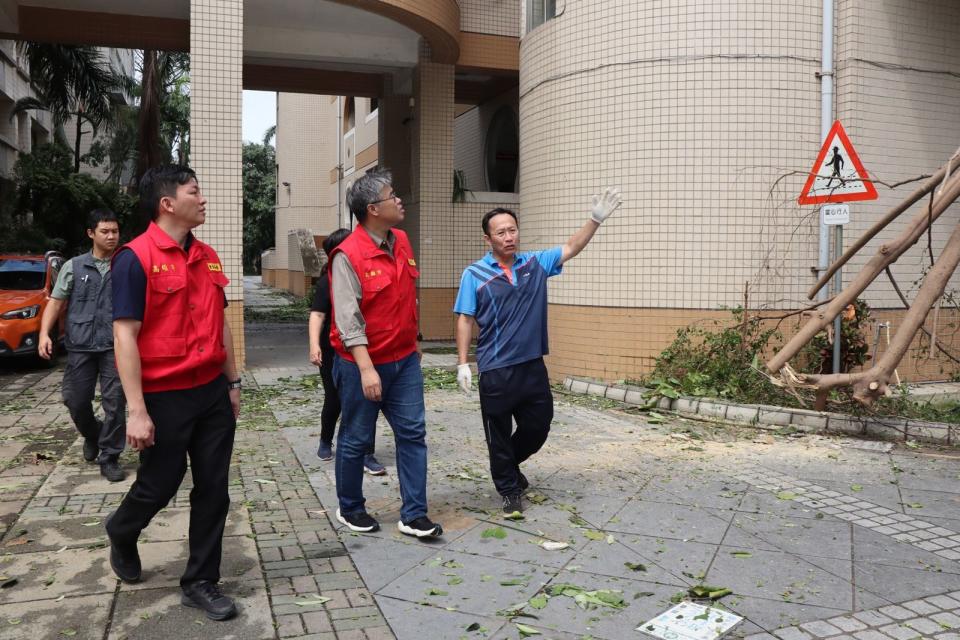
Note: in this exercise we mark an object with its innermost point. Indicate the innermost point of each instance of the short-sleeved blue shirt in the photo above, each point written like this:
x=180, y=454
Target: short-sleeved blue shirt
x=512, y=315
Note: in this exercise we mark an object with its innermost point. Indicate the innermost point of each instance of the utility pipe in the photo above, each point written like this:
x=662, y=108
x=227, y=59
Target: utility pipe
x=826, y=122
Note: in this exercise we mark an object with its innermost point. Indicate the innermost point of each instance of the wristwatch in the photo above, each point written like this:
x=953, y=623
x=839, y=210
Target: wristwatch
x=234, y=384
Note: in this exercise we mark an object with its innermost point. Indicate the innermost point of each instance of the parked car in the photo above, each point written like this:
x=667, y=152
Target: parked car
x=26, y=281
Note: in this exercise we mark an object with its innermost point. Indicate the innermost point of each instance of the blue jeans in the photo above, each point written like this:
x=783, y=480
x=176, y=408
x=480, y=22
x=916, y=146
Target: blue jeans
x=402, y=405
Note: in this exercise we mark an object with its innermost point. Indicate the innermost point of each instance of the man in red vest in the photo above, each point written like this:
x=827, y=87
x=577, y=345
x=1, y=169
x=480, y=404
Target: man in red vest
x=175, y=357
x=374, y=332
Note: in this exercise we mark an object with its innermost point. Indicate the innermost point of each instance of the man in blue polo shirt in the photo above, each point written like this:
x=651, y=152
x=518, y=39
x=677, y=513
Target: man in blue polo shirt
x=505, y=295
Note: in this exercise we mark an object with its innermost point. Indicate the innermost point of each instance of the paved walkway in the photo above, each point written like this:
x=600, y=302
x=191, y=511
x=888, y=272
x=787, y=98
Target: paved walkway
x=815, y=537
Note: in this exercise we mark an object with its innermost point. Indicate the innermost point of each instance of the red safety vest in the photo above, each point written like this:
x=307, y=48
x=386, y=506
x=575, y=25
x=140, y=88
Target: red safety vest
x=389, y=296
x=181, y=338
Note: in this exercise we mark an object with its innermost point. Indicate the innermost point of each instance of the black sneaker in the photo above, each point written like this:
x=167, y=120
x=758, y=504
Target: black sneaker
x=112, y=471
x=124, y=558
x=421, y=527
x=512, y=504
x=90, y=449
x=524, y=483
x=206, y=595
x=361, y=522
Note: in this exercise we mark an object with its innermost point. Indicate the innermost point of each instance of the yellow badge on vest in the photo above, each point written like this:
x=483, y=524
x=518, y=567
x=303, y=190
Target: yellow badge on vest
x=372, y=274
x=411, y=262
x=214, y=266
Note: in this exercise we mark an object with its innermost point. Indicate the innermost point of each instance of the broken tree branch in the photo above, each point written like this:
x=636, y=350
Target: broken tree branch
x=936, y=180
x=887, y=255
x=906, y=305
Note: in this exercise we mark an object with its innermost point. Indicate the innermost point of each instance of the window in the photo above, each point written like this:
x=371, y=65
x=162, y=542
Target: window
x=502, y=151
x=539, y=11
x=349, y=115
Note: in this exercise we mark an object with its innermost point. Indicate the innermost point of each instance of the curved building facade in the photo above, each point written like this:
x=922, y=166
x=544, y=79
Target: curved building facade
x=707, y=115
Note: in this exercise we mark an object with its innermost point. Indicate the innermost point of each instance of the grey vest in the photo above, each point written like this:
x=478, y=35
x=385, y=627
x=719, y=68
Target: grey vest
x=90, y=314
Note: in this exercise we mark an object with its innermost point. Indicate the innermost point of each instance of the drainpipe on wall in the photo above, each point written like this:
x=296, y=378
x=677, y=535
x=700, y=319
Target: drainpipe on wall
x=826, y=121
x=340, y=161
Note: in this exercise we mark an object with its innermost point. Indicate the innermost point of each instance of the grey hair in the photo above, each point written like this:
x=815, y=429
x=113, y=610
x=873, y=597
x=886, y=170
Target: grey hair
x=366, y=190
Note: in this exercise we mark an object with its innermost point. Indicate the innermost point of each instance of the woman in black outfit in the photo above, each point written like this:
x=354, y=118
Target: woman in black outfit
x=322, y=354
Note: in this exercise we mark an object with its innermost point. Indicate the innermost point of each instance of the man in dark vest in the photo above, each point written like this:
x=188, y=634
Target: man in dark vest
x=175, y=357
x=84, y=285
x=374, y=332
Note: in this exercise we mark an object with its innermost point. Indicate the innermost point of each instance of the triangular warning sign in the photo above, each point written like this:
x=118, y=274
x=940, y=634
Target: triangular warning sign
x=837, y=175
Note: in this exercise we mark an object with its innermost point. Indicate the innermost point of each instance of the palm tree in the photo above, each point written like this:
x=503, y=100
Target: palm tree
x=164, y=117
x=70, y=82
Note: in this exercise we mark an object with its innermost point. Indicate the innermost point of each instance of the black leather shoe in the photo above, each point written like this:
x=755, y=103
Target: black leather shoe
x=111, y=470
x=124, y=558
x=206, y=595
x=90, y=449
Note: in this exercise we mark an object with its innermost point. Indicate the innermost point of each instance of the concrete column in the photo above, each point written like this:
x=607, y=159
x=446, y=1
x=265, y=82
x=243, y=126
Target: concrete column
x=216, y=104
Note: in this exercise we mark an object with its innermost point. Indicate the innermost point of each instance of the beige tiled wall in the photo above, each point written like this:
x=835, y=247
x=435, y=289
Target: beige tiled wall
x=694, y=109
x=432, y=169
x=497, y=17
x=216, y=70
x=898, y=101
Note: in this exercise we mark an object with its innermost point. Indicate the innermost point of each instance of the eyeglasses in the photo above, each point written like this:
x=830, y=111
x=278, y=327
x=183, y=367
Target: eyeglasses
x=393, y=196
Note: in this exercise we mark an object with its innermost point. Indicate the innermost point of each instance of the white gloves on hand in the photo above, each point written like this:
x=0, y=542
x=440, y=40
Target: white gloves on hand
x=605, y=205
x=464, y=377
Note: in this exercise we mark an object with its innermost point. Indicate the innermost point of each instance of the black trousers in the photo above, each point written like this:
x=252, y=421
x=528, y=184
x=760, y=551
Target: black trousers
x=519, y=392
x=331, y=399
x=80, y=386
x=198, y=423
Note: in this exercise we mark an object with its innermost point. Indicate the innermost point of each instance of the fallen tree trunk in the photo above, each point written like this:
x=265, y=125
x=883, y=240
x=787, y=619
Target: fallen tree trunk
x=874, y=382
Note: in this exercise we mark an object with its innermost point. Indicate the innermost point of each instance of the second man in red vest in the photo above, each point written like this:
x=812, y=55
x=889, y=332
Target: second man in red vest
x=374, y=332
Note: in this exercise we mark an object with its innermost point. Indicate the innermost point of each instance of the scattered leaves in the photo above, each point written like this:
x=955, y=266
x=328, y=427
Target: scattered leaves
x=526, y=631
x=494, y=532
x=514, y=582
x=589, y=599
x=635, y=566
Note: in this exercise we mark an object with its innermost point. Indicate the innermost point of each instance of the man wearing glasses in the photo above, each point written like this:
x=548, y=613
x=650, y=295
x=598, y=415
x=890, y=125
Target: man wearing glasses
x=374, y=332
x=505, y=295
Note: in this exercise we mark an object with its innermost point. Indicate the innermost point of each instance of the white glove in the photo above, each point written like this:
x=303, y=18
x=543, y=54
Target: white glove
x=605, y=205
x=464, y=377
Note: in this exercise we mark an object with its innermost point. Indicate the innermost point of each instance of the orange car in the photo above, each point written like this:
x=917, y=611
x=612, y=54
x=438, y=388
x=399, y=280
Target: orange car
x=25, y=284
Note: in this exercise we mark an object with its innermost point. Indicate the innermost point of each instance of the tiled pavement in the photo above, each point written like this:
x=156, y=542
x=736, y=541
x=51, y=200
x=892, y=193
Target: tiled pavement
x=282, y=559
x=811, y=535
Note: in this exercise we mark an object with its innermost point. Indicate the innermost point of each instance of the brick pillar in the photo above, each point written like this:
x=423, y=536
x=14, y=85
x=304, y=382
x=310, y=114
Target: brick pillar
x=216, y=104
